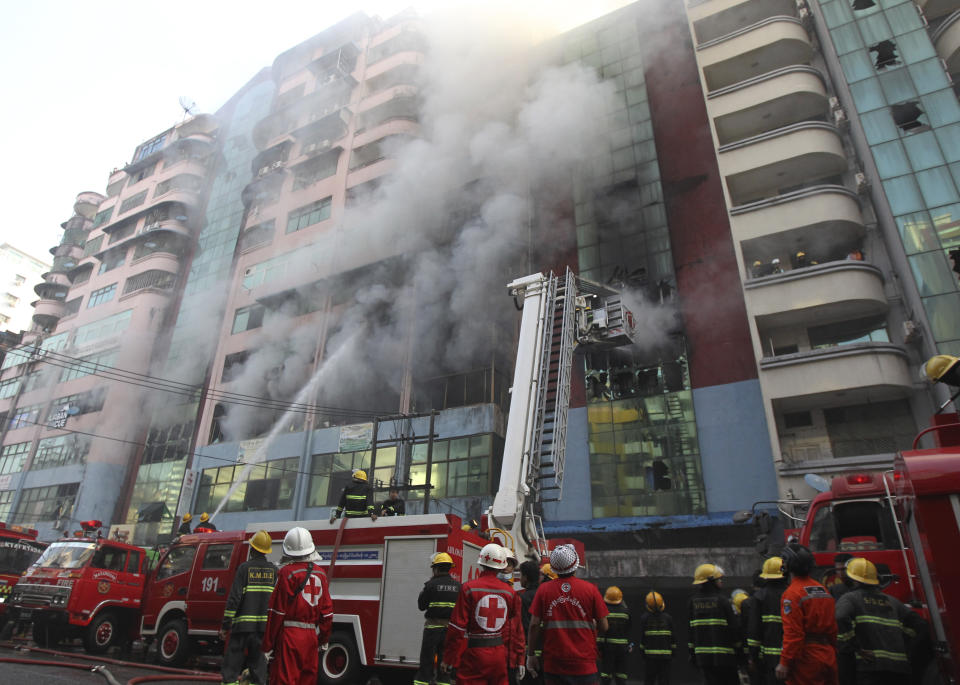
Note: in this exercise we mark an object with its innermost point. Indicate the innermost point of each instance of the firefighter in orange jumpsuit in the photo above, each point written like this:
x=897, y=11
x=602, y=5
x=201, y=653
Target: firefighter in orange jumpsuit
x=300, y=614
x=485, y=634
x=809, y=654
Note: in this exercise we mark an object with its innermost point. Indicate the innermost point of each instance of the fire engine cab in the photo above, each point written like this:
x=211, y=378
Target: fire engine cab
x=18, y=549
x=81, y=587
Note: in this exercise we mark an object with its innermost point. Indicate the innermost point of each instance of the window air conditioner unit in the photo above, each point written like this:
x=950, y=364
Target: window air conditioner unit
x=863, y=184
x=840, y=118
x=834, y=104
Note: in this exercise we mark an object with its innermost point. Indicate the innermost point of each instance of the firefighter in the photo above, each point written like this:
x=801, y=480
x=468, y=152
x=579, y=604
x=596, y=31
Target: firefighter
x=205, y=525
x=764, y=625
x=841, y=584
x=656, y=640
x=809, y=627
x=184, y=528
x=245, y=616
x=714, y=630
x=615, y=643
x=546, y=573
x=529, y=581
x=567, y=613
x=436, y=600
x=485, y=634
x=300, y=614
x=393, y=506
x=356, y=500
x=876, y=630
x=737, y=598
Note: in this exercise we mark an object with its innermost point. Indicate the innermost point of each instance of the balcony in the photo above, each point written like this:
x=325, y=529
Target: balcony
x=717, y=18
x=768, y=45
x=824, y=215
x=846, y=374
x=52, y=291
x=300, y=112
x=336, y=66
x=783, y=97
x=795, y=155
x=266, y=160
x=947, y=41
x=199, y=124
x=934, y=9
x=46, y=313
x=68, y=250
x=86, y=204
x=330, y=123
x=834, y=291
x=265, y=187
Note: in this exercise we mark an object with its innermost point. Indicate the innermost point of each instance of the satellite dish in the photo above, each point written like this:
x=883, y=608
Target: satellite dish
x=818, y=483
x=188, y=106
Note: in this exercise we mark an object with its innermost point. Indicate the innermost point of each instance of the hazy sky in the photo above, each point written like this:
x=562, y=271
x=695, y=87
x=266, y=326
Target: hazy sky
x=86, y=82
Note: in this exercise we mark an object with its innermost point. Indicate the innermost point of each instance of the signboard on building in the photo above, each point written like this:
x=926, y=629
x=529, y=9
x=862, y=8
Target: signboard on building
x=186, y=492
x=59, y=418
x=6, y=481
x=356, y=438
x=248, y=451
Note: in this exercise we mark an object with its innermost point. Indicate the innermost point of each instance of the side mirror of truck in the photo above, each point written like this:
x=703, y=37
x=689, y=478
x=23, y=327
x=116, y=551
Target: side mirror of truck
x=742, y=516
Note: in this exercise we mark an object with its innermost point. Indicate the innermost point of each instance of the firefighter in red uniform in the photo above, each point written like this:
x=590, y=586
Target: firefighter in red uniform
x=568, y=613
x=809, y=628
x=300, y=614
x=485, y=633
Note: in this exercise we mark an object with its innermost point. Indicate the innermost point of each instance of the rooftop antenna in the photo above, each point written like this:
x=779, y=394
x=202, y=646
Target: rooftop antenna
x=188, y=106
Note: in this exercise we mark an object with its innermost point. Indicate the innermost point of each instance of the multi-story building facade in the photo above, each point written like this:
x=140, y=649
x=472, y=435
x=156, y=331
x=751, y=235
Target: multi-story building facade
x=76, y=393
x=835, y=130
x=20, y=273
x=333, y=298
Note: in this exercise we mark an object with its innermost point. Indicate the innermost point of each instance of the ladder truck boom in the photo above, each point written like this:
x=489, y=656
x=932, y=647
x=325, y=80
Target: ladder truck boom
x=560, y=313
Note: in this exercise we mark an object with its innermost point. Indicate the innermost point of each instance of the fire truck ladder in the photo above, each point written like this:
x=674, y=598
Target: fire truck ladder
x=553, y=402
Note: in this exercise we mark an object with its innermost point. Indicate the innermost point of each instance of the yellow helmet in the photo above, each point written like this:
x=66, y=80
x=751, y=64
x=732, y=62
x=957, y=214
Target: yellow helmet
x=757, y=263
x=188, y=517
x=204, y=517
x=862, y=570
x=262, y=542
x=613, y=595
x=547, y=570
x=772, y=568
x=737, y=597
x=441, y=558
x=655, y=602
x=939, y=366
x=360, y=474
x=706, y=572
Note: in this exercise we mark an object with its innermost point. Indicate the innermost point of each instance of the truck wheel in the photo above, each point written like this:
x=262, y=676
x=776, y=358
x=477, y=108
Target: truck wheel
x=173, y=643
x=341, y=662
x=45, y=635
x=102, y=633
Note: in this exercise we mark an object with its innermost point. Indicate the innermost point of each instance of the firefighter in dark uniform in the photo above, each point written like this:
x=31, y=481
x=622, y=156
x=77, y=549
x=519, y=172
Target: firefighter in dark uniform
x=205, y=525
x=245, y=616
x=657, y=641
x=184, y=528
x=714, y=629
x=614, y=645
x=356, y=500
x=765, y=626
x=875, y=630
x=437, y=599
x=393, y=506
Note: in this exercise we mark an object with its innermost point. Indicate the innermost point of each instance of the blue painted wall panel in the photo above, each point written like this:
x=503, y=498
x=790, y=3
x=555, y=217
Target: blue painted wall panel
x=576, y=504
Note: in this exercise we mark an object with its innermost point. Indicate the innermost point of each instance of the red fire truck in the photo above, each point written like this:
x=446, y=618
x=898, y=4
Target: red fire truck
x=18, y=549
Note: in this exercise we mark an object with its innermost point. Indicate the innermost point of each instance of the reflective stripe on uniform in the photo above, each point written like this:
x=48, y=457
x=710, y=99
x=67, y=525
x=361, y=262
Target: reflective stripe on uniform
x=617, y=640
x=884, y=654
x=889, y=622
x=569, y=624
x=772, y=618
x=617, y=615
x=708, y=622
x=666, y=652
x=299, y=624
x=713, y=650
x=659, y=632
x=435, y=605
x=771, y=651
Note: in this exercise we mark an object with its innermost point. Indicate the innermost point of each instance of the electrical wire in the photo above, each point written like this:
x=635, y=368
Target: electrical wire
x=149, y=382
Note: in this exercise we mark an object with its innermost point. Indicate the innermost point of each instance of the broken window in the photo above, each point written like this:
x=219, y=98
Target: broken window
x=216, y=431
x=233, y=364
x=863, y=4
x=907, y=115
x=886, y=54
x=248, y=318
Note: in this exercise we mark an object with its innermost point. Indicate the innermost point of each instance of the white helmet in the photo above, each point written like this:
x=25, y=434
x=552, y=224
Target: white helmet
x=298, y=543
x=493, y=556
x=564, y=559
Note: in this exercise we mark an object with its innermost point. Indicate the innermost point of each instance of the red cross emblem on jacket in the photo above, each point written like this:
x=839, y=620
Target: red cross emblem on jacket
x=491, y=612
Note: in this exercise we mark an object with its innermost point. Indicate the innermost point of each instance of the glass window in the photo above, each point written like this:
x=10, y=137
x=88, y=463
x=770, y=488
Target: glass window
x=904, y=17
x=943, y=312
x=867, y=95
x=133, y=562
x=916, y=232
x=929, y=76
x=846, y=39
x=837, y=13
x=102, y=217
x=923, y=150
x=823, y=533
x=110, y=558
x=874, y=28
x=891, y=160
x=133, y=201
x=217, y=557
x=949, y=138
x=178, y=560
x=932, y=273
x=897, y=85
x=946, y=222
x=856, y=66
x=308, y=215
x=67, y=555
x=941, y=107
x=916, y=46
x=88, y=365
x=13, y=457
x=101, y=295
x=903, y=195
x=937, y=186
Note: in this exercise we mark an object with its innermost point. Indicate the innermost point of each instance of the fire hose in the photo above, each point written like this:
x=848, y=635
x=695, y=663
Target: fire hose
x=104, y=659
x=100, y=670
